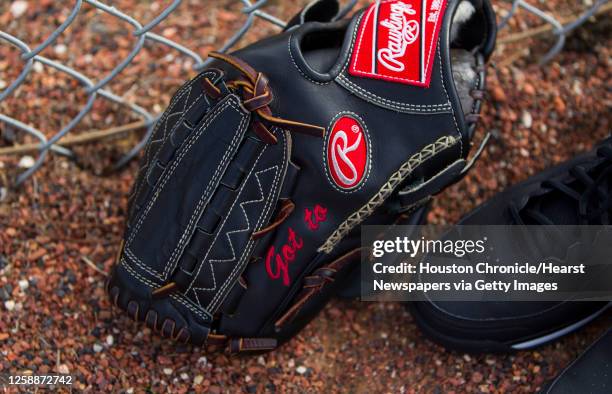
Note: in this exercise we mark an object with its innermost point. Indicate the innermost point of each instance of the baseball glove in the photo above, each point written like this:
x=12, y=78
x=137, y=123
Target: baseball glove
x=245, y=216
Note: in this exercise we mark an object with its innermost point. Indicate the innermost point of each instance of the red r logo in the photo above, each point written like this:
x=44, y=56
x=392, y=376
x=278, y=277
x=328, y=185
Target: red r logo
x=347, y=153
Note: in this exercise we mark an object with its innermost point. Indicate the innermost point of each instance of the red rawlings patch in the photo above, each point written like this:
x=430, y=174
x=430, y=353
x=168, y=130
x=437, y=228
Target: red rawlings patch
x=397, y=41
x=347, y=152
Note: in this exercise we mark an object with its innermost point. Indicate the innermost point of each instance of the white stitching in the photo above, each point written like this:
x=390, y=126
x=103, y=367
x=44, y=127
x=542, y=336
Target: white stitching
x=175, y=164
x=342, y=80
x=203, y=260
x=358, y=27
x=164, y=118
x=202, y=313
x=353, y=37
x=184, y=299
x=397, y=105
x=242, y=205
x=298, y=67
x=250, y=245
x=178, y=123
x=171, y=265
x=141, y=265
x=369, y=150
x=157, y=190
x=394, y=103
x=167, y=175
x=242, y=230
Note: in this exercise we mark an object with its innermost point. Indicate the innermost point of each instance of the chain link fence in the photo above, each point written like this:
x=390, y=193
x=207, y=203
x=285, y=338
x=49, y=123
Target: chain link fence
x=142, y=32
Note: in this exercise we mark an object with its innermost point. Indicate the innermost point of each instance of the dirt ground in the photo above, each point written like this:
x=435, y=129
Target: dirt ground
x=59, y=232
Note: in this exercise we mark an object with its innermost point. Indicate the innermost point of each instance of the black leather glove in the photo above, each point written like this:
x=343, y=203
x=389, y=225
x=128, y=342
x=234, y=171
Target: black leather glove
x=245, y=215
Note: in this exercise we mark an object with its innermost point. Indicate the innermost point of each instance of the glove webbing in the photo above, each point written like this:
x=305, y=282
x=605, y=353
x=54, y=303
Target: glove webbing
x=255, y=91
x=253, y=87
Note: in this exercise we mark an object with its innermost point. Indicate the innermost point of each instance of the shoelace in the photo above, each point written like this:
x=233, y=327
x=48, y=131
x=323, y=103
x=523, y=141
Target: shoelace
x=594, y=203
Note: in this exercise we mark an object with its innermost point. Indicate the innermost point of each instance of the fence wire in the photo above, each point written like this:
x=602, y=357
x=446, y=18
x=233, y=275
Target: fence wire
x=143, y=32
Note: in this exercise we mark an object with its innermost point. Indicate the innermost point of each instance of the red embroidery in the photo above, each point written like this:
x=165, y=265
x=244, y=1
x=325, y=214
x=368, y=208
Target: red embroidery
x=277, y=265
x=397, y=40
x=314, y=218
x=347, y=153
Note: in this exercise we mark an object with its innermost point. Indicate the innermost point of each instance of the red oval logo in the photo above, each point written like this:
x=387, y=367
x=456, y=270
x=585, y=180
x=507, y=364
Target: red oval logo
x=347, y=152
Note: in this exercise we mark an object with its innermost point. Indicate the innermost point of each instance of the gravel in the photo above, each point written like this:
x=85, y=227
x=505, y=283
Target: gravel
x=62, y=322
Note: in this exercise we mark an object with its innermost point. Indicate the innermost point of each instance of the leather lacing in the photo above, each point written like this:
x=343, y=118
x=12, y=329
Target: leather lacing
x=593, y=204
x=255, y=90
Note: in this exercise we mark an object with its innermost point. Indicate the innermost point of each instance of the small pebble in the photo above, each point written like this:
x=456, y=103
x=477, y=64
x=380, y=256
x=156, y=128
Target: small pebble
x=24, y=284
x=167, y=371
x=301, y=370
x=60, y=49
x=97, y=347
x=529, y=89
x=560, y=105
x=63, y=369
x=9, y=305
x=527, y=119
x=110, y=340
x=498, y=94
x=26, y=162
x=198, y=379
x=18, y=8
x=577, y=88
